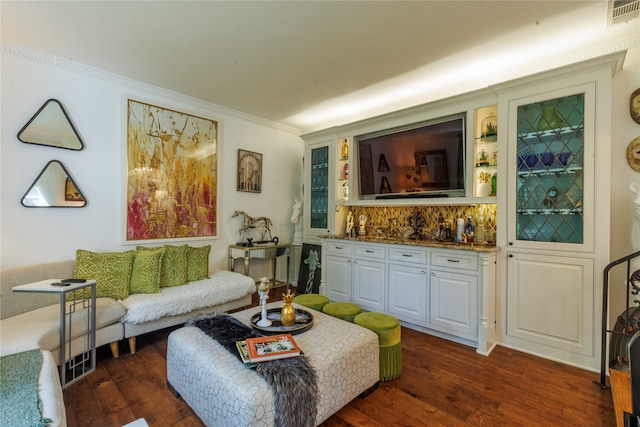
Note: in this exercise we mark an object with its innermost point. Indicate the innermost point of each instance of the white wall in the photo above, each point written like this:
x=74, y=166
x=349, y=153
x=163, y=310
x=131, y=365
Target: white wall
x=95, y=101
x=623, y=131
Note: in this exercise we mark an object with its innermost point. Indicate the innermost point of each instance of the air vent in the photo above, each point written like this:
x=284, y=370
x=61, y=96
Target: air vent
x=622, y=11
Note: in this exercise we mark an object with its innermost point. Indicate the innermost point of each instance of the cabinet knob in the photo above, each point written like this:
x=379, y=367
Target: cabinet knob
x=432, y=273
x=510, y=243
x=510, y=255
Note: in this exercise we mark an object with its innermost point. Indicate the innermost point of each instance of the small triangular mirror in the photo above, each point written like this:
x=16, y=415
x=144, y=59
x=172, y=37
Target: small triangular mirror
x=51, y=126
x=54, y=188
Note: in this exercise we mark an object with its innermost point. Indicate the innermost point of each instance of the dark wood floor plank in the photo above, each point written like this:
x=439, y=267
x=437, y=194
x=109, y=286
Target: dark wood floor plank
x=443, y=384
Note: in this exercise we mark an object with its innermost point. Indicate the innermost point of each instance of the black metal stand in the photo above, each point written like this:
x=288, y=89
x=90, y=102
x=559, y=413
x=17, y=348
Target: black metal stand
x=605, y=312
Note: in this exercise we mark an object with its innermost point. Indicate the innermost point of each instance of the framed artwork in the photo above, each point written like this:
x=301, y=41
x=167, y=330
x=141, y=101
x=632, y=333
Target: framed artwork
x=172, y=166
x=309, y=276
x=433, y=168
x=249, y=171
x=71, y=193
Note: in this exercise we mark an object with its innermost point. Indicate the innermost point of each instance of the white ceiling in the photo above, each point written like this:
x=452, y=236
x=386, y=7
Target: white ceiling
x=310, y=65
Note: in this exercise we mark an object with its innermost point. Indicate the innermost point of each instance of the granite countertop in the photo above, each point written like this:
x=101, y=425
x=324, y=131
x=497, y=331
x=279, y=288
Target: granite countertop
x=422, y=243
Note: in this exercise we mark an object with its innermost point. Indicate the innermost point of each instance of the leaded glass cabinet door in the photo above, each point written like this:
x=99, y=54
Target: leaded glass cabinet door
x=553, y=174
x=320, y=187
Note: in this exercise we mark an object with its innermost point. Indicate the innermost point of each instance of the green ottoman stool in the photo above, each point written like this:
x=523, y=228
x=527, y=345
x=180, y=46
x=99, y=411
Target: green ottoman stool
x=388, y=329
x=342, y=310
x=313, y=301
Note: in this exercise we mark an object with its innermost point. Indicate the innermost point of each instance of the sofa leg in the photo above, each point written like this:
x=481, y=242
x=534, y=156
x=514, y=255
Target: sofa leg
x=114, y=349
x=132, y=345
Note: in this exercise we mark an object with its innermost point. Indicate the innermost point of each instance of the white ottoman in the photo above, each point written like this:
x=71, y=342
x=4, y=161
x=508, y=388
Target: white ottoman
x=223, y=392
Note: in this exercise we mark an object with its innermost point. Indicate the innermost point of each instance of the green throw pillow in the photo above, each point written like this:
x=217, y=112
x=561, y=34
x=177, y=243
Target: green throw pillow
x=198, y=263
x=110, y=270
x=174, y=265
x=145, y=276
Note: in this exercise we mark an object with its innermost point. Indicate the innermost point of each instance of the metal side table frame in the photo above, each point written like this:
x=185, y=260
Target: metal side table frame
x=83, y=364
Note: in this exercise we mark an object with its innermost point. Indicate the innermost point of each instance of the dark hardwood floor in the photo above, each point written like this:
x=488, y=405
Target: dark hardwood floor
x=442, y=384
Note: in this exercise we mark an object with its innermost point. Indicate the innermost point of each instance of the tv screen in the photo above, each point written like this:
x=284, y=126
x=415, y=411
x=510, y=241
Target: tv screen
x=420, y=160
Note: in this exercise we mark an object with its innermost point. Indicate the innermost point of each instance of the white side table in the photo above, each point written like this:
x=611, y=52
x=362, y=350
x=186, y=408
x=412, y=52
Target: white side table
x=73, y=302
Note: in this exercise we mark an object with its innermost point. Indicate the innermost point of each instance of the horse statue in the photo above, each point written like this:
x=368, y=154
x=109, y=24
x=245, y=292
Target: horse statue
x=251, y=222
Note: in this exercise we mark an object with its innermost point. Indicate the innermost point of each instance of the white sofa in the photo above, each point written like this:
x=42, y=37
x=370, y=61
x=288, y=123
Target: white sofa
x=32, y=321
x=29, y=321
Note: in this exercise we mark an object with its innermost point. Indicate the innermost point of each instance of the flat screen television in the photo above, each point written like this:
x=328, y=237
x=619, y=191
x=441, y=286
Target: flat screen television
x=423, y=159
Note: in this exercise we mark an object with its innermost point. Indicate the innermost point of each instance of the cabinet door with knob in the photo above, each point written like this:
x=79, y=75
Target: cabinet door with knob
x=369, y=276
x=453, y=303
x=552, y=170
x=408, y=292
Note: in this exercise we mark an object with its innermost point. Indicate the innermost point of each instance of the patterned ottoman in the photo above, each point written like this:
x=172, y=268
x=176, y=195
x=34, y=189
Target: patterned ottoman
x=223, y=392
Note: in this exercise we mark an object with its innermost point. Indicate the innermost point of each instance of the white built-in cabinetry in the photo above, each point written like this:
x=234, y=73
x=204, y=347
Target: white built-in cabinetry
x=555, y=146
x=446, y=292
x=553, y=218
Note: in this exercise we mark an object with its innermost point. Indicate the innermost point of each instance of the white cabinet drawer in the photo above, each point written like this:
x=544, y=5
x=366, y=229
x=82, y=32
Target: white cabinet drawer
x=339, y=248
x=370, y=251
x=405, y=254
x=454, y=259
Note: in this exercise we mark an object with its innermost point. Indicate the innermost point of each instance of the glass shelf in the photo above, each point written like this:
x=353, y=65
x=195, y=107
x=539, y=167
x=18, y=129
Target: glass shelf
x=549, y=211
x=549, y=171
x=488, y=139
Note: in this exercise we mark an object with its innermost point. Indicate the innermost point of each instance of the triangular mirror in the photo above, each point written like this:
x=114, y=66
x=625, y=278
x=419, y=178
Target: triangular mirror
x=51, y=126
x=54, y=188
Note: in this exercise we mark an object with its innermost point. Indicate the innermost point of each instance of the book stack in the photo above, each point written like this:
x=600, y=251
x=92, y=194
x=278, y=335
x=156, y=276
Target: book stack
x=263, y=349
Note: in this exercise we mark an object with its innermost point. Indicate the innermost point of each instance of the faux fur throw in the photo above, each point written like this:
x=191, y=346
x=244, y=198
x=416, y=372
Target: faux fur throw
x=293, y=381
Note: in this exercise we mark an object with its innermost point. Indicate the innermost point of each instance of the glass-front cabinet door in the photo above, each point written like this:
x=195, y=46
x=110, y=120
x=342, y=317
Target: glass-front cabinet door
x=320, y=187
x=551, y=142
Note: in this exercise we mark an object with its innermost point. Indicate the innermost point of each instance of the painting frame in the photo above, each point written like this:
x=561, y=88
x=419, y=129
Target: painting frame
x=433, y=168
x=249, y=171
x=310, y=269
x=171, y=174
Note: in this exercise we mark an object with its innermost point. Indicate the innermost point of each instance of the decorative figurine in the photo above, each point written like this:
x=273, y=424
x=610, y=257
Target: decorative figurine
x=350, y=224
x=263, y=291
x=362, y=222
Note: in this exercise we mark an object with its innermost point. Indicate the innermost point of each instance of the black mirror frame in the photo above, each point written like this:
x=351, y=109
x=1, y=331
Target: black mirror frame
x=84, y=198
x=67, y=117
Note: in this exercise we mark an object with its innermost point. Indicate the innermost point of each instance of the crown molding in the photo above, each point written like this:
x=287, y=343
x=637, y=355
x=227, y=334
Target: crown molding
x=98, y=74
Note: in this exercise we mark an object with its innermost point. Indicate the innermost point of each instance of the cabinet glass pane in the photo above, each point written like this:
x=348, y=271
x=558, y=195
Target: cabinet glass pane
x=550, y=180
x=319, y=187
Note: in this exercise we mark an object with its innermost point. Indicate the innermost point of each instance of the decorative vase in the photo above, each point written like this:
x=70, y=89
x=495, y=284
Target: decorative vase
x=484, y=187
x=549, y=118
x=288, y=313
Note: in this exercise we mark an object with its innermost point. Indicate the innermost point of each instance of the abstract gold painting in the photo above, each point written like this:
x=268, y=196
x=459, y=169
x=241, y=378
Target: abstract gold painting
x=171, y=180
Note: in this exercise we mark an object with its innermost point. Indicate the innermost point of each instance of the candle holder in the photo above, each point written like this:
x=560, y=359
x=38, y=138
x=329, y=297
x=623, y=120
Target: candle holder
x=263, y=291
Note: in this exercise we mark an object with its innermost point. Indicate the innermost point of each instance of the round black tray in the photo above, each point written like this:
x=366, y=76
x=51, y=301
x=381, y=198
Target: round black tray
x=304, y=321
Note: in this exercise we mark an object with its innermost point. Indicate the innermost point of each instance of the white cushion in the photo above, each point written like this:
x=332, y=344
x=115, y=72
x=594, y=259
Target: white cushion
x=40, y=328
